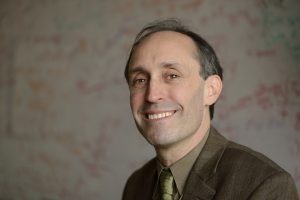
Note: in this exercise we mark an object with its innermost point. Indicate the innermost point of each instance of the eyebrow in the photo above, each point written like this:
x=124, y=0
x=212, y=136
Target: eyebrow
x=136, y=69
x=168, y=64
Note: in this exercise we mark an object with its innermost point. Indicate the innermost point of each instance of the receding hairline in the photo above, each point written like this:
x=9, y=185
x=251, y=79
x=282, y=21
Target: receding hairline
x=195, y=51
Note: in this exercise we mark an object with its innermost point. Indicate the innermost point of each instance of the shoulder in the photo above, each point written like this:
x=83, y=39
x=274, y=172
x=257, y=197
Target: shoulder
x=235, y=158
x=257, y=174
x=238, y=155
x=141, y=182
x=252, y=171
x=242, y=171
x=145, y=170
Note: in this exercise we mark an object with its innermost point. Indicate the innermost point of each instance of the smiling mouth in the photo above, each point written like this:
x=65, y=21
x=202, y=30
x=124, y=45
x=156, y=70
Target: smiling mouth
x=159, y=115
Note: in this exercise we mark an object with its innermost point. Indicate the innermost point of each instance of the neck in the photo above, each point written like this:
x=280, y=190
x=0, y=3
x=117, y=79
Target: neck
x=172, y=153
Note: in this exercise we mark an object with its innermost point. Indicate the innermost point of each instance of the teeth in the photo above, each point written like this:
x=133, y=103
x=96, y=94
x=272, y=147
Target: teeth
x=159, y=115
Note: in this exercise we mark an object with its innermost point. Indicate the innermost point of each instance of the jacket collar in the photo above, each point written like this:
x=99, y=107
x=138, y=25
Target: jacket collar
x=205, y=168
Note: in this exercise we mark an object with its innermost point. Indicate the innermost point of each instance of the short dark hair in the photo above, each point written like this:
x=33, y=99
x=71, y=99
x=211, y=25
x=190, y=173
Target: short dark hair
x=207, y=57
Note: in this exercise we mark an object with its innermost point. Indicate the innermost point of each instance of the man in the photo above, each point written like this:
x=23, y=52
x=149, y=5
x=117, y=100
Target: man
x=174, y=79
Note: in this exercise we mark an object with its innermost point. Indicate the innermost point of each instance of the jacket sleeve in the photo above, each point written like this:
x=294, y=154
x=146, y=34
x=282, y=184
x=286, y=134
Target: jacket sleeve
x=278, y=186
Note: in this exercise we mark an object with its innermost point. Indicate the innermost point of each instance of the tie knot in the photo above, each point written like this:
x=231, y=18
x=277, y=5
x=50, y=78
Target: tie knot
x=166, y=184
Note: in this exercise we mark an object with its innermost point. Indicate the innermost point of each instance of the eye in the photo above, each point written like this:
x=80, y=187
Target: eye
x=171, y=76
x=138, y=82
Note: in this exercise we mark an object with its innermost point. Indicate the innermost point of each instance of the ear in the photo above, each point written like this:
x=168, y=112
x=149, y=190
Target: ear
x=213, y=87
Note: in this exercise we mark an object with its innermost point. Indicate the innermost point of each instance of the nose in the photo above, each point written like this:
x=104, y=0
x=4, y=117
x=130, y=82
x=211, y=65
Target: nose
x=155, y=91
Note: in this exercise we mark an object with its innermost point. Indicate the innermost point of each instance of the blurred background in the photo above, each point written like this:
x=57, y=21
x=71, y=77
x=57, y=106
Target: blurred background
x=66, y=130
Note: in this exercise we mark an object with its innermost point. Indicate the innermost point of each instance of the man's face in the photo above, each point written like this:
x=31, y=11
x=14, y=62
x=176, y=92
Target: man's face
x=166, y=90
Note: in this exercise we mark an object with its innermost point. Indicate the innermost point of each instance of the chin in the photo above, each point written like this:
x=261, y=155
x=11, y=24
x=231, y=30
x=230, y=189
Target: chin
x=160, y=139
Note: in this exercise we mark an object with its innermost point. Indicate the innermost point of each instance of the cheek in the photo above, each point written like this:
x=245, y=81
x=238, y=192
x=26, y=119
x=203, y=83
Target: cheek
x=136, y=99
x=191, y=98
x=191, y=92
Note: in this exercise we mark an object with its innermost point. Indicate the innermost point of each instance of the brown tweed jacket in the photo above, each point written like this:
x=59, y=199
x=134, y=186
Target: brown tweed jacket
x=223, y=170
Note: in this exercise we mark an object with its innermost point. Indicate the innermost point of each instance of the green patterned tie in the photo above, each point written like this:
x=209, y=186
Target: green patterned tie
x=166, y=185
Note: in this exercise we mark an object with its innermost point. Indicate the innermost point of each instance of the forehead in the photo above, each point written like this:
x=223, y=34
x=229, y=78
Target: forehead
x=165, y=44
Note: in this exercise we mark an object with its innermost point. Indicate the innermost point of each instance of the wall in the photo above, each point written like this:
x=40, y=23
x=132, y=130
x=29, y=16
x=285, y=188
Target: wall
x=66, y=131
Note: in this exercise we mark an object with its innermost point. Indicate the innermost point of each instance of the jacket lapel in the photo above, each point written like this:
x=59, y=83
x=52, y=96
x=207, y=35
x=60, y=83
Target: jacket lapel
x=205, y=168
